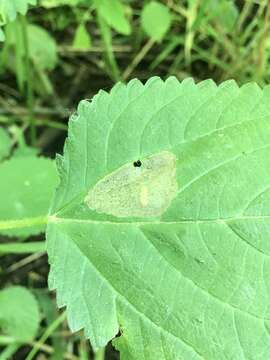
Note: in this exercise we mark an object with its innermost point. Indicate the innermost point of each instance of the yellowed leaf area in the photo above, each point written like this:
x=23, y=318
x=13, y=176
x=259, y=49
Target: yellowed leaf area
x=144, y=191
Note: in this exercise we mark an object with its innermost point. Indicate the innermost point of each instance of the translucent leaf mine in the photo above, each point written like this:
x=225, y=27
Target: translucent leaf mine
x=145, y=190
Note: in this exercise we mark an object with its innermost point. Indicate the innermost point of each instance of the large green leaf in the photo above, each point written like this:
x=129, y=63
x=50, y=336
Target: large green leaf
x=19, y=314
x=189, y=280
x=26, y=187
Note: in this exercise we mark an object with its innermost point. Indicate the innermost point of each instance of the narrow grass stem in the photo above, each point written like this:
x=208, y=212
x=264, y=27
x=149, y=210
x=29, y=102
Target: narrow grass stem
x=29, y=84
x=48, y=332
x=100, y=354
x=8, y=352
x=190, y=33
x=138, y=59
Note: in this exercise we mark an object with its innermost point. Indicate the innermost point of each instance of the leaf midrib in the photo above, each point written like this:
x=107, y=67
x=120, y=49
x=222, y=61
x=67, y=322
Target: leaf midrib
x=224, y=221
x=56, y=219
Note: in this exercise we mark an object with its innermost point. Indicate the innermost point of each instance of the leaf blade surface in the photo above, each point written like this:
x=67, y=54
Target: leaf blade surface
x=191, y=282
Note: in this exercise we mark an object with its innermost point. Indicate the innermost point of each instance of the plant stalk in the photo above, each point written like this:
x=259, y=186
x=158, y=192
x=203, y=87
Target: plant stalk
x=22, y=223
x=22, y=248
x=29, y=84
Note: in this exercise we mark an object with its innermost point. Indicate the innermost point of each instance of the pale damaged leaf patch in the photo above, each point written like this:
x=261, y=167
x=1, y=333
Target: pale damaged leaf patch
x=145, y=190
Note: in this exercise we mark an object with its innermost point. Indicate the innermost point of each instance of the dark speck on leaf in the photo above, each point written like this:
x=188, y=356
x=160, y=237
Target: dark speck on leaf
x=137, y=163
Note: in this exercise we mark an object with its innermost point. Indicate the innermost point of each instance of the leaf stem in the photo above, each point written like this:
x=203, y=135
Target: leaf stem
x=190, y=32
x=22, y=223
x=100, y=354
x=22, y=248
x=6, y=340
x=106, y=36
x=138, y=58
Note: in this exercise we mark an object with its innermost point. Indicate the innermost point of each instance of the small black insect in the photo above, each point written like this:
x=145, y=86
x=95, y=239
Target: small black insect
x=137, y=163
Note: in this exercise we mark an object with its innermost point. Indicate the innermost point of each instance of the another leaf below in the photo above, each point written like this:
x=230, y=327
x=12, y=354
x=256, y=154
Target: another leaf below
x=19, y=314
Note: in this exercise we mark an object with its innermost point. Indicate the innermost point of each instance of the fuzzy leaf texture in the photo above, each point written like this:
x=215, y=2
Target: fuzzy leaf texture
x=184, y=271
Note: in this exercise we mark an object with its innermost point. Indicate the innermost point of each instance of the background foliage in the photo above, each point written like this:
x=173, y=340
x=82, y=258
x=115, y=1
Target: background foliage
x=54, y=53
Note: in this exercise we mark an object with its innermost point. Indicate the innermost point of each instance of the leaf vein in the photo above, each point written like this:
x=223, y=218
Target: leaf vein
x=205, y=291
x=142, y=314
x=220, y=165
x=240, y=236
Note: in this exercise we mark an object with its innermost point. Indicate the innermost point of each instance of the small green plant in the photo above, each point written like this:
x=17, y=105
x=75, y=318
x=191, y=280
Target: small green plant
x=19, y=319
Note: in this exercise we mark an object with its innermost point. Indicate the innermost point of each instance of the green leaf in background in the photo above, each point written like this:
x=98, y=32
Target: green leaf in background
x=156, y=20
x=109, y=56
x=5, y=143
x=2, y=35
x=22, y=149
x=50, y=314
x=228, y=15
x=82, y=39
x=55, y=3
x=224, y=12
x=45, y=57
x=26, y=187
x=25, y=151
x=42, y=57
x=190, y=281
x=14, y=52
x=19, y=314
x=113, y=13
x=10, y=8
